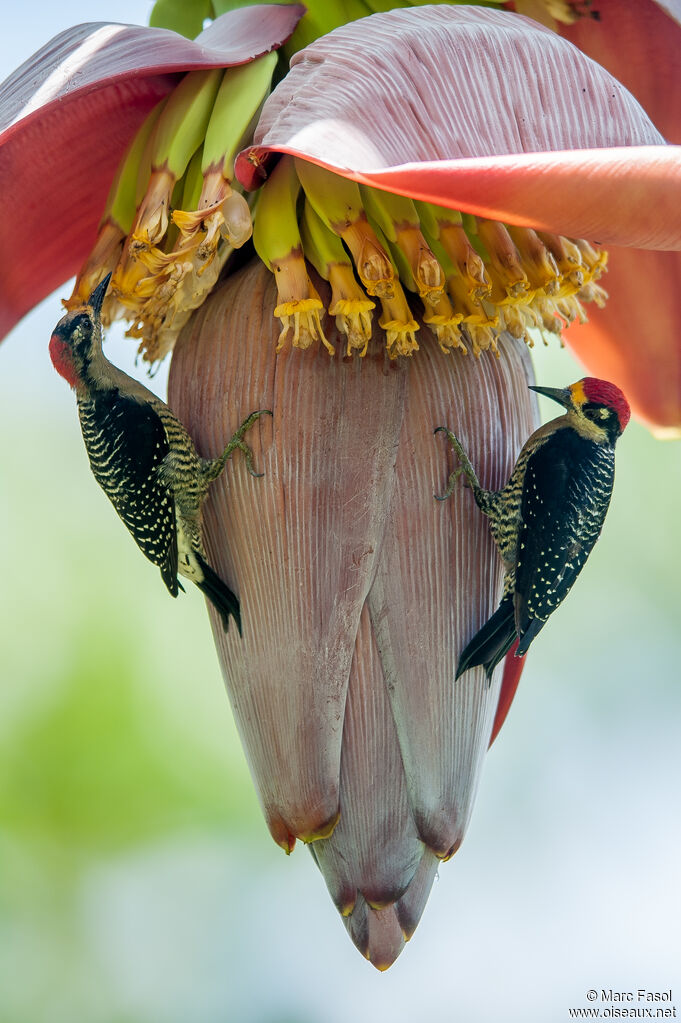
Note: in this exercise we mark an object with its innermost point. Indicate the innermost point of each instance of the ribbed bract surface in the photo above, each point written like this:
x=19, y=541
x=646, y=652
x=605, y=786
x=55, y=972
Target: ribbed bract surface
x=438, y=90
x=358, y=589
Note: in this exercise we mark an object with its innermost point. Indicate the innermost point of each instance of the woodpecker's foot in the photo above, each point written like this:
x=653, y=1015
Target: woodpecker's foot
x=465, y=467
x=238, y=442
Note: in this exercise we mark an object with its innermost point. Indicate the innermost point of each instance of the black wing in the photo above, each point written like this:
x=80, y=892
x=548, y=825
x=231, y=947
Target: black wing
x=566, y=493
x=126, y=442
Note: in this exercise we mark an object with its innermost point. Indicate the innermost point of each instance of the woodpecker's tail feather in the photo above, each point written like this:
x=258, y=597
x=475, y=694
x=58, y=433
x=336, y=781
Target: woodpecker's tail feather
x=493, y=641
x=535, y=625
x=219, y=595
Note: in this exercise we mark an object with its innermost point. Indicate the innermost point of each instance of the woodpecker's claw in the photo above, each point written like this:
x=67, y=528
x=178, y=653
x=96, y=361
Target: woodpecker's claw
x=453, y=477
x=238, y=441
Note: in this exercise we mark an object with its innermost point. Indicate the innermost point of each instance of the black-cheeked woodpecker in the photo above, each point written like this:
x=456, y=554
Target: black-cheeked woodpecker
x=142, y=456
x=547, y=518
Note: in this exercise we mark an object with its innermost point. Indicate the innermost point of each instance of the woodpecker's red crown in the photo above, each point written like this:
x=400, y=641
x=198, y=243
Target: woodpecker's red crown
x=602, y=392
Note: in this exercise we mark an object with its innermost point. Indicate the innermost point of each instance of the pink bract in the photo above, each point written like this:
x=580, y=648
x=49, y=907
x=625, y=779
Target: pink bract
x=531, y=132
x=66, y=118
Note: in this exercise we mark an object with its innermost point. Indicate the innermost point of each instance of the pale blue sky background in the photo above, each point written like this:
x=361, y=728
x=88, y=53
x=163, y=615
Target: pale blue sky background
x=568, y=878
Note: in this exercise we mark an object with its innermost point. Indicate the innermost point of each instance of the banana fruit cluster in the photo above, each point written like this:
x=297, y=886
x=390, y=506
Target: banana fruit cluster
x=174, y=213
x=467, y=278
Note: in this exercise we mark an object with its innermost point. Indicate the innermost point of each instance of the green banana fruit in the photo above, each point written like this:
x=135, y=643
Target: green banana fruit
x=275, y=230
x=335, y=199
x=181, y=128
x=123, y=198
x=446, y=233
x=338, y=202
x=321, y=246
x=238, y=101
x=277, y=241
x=349, y=304
x=192, y=182
x=398, y=218
x=389, y=210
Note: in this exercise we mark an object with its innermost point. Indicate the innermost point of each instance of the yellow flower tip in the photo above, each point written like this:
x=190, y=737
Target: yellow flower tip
x=299, y=305
x=448, y=336
x=152, y=230
x=472, y=310
x=301, y=319
x=595, y=260
x=571, y=309
x=444, y=321
x=399, y=325
x=353, y=319
x=483, y=314
x=156, y=261
x=400, y=337
x=350, y=306
x=103, y=259
x=82, y=289
x=593, y=293
x=188, y=221
x=513, y=319
x=570, y=283
x=126, y=276
x=139, y=243
x=208, y=245
x=482, y=338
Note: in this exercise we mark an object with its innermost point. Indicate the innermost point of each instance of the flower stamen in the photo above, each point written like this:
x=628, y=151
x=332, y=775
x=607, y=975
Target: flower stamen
x=399, y=325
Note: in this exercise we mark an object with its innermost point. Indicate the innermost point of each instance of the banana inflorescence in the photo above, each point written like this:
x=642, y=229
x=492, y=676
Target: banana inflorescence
x=467, y=278
x=174, y=214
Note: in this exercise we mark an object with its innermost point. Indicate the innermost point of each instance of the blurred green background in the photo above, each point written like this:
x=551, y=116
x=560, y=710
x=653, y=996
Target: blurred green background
x=138, y=883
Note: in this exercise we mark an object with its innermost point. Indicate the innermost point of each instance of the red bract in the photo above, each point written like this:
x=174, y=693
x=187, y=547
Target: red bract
x=635, y=339
x=66, y=118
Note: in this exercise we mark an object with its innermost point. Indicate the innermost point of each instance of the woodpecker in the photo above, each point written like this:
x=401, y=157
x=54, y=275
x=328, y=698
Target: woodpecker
x=547, y=518
x=142, y=457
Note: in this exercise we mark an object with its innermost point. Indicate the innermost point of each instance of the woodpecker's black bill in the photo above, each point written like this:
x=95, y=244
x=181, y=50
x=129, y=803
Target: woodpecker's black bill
x=97, y=297
x=560, y=394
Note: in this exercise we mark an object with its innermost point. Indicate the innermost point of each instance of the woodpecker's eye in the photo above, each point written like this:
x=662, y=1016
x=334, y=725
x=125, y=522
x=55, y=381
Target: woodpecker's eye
x=596, y=413
x=83, y=325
